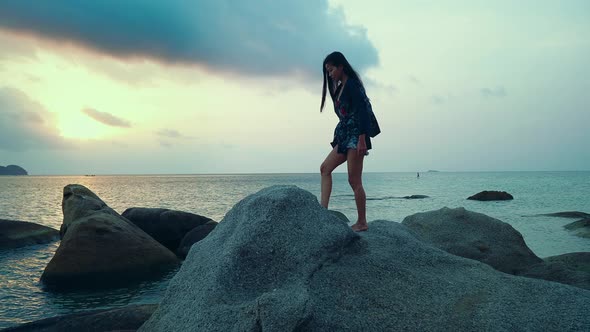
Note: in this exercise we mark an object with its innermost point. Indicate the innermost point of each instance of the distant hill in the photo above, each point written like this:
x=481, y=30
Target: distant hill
x=12, y=170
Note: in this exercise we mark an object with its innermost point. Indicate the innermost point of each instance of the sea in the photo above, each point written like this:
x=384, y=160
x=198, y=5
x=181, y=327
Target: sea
x=38, y=199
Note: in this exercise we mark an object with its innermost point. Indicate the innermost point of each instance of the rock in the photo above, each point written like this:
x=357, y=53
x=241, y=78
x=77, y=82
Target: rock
x=580, y=228
x=491, y=196
x=415, y=197
x=193, y=236
x=572, y=269
x=12, y=170
x=474, y=235
x=287, y=264
x=340, y=215
x=568, y=214
x=99, y=248
x=166, y=226
x=126, y=318
x=14, y=234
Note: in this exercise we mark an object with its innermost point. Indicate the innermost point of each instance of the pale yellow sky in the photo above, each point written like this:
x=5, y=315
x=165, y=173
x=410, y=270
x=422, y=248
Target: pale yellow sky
x=457, y=87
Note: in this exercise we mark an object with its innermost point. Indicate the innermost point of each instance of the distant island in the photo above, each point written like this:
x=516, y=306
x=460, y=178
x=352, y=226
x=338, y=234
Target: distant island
x=433, y=171
x=12, y=170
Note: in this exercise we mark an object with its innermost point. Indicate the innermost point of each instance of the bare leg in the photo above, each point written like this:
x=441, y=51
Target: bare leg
x=333, y=160
x=355, y=171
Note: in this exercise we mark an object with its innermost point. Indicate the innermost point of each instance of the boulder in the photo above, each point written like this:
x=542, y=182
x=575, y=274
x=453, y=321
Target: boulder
x=571, y=268
x=491, y=196
x=340, y=215
x=14, y=234
x=568, y=214
x=415, y=197
x=166, y=226
x=126, y=318
x=193, y=236
x=580, y=227
x=474, y=235
x=99, y=248
x=284, y=263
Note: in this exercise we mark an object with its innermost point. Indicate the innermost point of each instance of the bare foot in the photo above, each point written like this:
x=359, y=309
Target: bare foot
x=359, y=227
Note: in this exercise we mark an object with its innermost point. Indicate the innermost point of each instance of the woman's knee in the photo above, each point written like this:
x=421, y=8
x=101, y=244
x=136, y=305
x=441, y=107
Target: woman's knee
x=325, y=169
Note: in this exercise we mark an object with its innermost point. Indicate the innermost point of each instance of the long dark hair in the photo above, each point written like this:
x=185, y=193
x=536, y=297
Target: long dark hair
x=336, y=59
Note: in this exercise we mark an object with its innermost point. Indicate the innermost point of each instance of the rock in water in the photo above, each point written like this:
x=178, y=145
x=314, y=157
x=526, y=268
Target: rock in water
x=474, y=235
x=14, y=234
x=580, y=228
x=166, y=226
x=491, y=196
x=127, y=318
x=571, y=269
x=99, y=247
x=284, y=263
x=195, y=235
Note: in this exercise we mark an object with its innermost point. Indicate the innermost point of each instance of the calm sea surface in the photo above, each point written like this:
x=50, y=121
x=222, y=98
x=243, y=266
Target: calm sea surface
x=38, y=199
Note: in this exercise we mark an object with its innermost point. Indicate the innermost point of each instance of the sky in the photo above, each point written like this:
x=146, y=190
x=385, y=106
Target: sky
x=220, y=86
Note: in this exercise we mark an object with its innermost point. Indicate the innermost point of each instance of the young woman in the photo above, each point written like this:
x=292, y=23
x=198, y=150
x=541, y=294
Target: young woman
x=352, y=136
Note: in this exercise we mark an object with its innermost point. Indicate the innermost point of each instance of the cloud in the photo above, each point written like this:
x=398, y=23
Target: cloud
x=266, y=37
x=26, y=124
x=498, y=92
x=106, y=118
x=11, y=47
x=437, y=100
x=171, y=133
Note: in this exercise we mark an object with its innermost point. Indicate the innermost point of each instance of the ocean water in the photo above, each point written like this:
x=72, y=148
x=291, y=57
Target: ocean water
x=38, y=199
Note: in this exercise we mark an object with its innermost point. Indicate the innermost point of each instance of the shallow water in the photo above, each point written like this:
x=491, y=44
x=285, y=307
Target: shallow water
x=38, y=199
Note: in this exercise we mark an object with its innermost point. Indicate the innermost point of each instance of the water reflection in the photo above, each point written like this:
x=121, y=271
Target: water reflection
x=25, y=299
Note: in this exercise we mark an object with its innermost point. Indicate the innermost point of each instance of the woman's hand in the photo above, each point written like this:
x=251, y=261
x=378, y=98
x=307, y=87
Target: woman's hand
x=361, y=148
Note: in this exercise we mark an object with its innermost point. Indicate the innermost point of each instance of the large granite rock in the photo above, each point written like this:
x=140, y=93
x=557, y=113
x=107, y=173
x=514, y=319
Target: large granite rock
x=12, y=170
x=193, y=236
x=14, y=234
x=474, y=235
x=166, y=226
x=572, y=269
x=284, y=263
x=491, y=196
x=580, y=228
x=100, y=248
x=126, y=318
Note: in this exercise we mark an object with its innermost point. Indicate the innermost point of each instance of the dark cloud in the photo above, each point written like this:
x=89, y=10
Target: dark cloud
x=106, y=118
x=25, y=124
x=498, y=92
x=264, y=37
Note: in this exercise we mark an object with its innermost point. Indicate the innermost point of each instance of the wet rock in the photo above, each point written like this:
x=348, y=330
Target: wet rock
x=580, y=228
x=14, y=234
x=474, y=235
x=491, y=196
x=416, y=197
x=568, y=214
x=572, y=269
x=99, y=248
x=127, y=318
x=195, y=235
x=166, y=226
